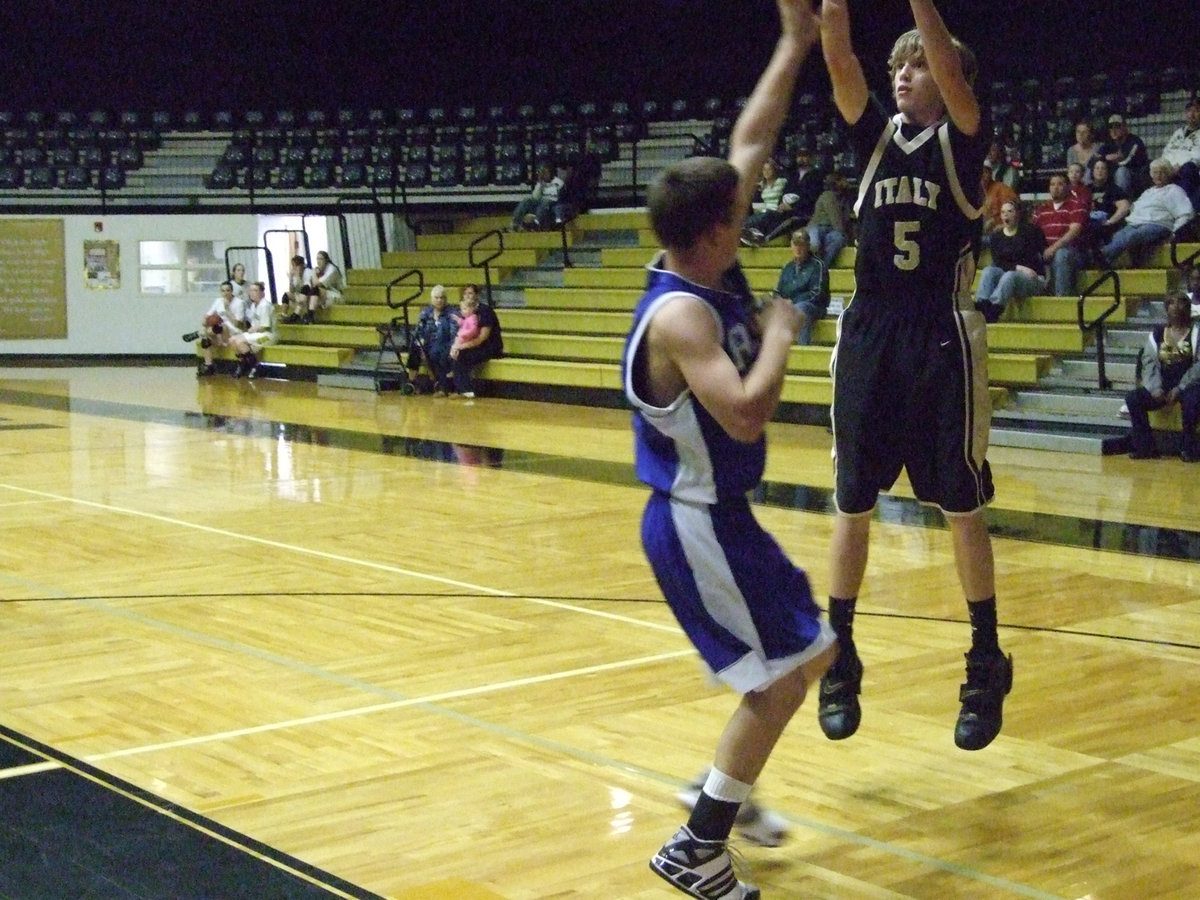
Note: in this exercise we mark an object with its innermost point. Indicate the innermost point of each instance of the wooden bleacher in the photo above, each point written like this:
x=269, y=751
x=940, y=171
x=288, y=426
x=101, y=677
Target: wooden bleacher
x=571, y=336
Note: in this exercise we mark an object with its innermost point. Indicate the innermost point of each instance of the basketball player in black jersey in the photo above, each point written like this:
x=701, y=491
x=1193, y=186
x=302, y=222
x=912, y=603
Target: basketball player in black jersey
x=910, y=365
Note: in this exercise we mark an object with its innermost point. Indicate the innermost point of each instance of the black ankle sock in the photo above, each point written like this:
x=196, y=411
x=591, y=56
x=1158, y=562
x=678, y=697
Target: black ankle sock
x=712, y=820
x=983, y=625
x=841, y=619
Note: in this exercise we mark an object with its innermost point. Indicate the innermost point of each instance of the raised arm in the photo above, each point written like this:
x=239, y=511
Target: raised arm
x=845, y=71
x=685, y=332
x=757, y=128
x=946, y=67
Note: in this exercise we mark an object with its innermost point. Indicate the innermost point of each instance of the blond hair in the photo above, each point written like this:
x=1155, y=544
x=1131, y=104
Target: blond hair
x=910, y=48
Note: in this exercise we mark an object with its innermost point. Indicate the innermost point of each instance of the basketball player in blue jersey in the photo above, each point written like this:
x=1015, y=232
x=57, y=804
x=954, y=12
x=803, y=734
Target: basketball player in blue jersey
x=704, y=372
x=910, y=364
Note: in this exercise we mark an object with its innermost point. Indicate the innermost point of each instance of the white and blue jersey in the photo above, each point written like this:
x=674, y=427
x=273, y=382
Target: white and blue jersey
x=748, y=610
x=680, y=449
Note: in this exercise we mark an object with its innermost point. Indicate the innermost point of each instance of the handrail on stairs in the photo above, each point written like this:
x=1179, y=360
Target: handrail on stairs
x=483, y=263
x=1097, y=324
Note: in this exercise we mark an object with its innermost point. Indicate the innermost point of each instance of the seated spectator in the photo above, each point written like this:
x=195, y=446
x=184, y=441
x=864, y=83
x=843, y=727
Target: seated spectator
x=828, y=227
x=1162, y=209
x=535, y=211
x=1183, y=152
x=805, y=184
x=805, y=282
x=995, y=195
x=259, y=332
x=487, y=344
x=295, y=300
x=1017, y=266
x=578, y=190
x=1193, y=290
x=1127, y=157
x=1170, y=375
x=237, y=278
x=1002, y=168
x=431, y=340
x=1085, y=150
x=1075, y=184
x=328, y=284
x=766, y=214
x=468, y=321
x=1061, y=220
x=1110, y=204
x=224, y=319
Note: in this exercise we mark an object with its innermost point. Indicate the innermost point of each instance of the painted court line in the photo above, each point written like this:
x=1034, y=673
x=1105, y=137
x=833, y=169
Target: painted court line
x=430, y=700
x=349, y=560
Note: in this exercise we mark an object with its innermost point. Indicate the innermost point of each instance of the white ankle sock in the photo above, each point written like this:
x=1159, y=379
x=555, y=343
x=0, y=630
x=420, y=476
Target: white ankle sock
x=721, y=787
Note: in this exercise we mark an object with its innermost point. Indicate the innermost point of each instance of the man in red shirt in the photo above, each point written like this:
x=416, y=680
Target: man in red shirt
x=1062, y=219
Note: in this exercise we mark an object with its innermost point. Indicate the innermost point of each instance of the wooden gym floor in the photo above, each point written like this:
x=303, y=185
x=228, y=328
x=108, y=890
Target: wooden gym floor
x=263, y=639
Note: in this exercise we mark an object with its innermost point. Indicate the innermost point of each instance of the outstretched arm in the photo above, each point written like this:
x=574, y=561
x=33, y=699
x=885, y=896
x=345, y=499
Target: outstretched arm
x=845, y=71
x=757, y=128
x=946, y=67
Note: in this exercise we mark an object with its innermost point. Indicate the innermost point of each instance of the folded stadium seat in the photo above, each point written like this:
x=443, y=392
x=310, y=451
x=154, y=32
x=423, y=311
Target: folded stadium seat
x=477, y=174
x=416, y=174
x=33, y=157
x=254, y=119
x=61, y=157
x=377, y=119
x=445, y=174
x=161, y=120
x=289, y=176
x=601, y=141
x=650, y=111
x=352, y=175
x=1141, y=94
x=191, y=120
x=11, y=177
x=318, y=176
x=1174, y=78
x=323, y=155
x=476, y=152
x=265, y=156
x=7, y=118
x=111, y=178
x=7, y=155
x=270, y=136
x=508, y=164
x=222, y=120
x=354, y=154
x=346, y=118
x=63, y=118
x=99, y=118
x=304, y=136
x=626, y=124
x=285, y=118
x=294, y=155
x=384, y=154
x=40, y=177
x=315, y=118
x=34, y=118
x=679, y=110
x=222, y=178
x=147, y=138
x=407, y=117
x=445, y=154
x=236, y=155
x=89, y=156
x=255, y=177
x=383, y=175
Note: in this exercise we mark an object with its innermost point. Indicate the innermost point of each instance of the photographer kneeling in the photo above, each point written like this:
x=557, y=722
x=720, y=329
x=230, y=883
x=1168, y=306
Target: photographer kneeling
x=225, y=319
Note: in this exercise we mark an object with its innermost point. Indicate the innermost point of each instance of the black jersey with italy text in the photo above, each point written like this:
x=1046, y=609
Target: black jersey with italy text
x=919, y=222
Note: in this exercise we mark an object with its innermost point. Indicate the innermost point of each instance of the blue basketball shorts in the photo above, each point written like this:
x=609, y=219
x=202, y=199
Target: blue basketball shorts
x=743, y=604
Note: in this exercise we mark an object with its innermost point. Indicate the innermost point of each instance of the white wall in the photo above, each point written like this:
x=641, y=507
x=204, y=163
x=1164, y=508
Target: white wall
x=124, y=321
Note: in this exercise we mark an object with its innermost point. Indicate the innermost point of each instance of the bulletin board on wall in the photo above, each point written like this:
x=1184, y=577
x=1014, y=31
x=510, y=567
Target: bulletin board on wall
x=33, y=279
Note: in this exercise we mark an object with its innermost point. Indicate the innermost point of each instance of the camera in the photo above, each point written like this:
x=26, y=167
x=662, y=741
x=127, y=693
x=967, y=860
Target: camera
x=191, y=336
